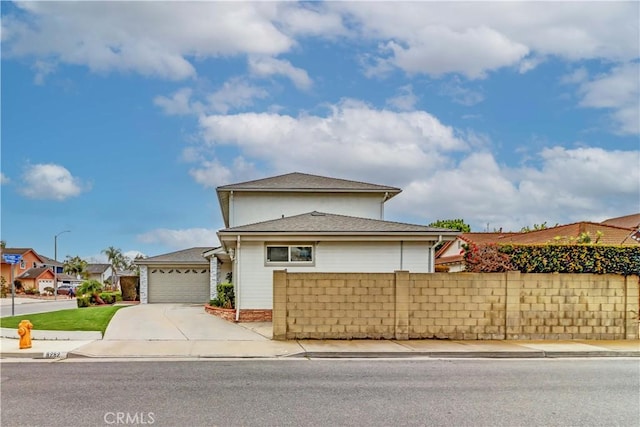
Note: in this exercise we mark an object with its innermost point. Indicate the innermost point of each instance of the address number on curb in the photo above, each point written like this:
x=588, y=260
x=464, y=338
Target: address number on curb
x=54, y=355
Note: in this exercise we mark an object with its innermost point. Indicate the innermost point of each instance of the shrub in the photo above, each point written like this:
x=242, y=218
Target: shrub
x=49, y=290
x=225, y=298
x=32, y=291
x=576, y=258
x=83, y=301
x=108, y=298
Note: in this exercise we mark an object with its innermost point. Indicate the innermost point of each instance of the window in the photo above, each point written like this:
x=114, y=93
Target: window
x=290, y=254
x=22, y=264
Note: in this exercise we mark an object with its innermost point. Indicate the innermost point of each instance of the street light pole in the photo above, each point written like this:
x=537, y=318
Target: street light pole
x=55, y=267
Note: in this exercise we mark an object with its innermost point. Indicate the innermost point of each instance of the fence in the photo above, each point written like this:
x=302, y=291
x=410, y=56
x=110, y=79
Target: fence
x=469, y=306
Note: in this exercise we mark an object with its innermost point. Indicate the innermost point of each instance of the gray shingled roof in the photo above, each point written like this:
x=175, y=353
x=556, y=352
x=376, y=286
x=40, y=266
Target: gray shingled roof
x=301, y=181
x=319, y=222
x=97, y=268
x=33, y=273
x=185, y=256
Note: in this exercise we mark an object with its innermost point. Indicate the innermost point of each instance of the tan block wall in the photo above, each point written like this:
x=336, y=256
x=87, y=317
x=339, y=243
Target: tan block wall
x=474, y=306
x=457, y=306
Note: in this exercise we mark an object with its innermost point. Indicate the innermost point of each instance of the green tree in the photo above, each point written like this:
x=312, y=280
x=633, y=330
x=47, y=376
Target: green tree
x=75, y=266
x=536, y=227
x=117, y=260
x=452, y=224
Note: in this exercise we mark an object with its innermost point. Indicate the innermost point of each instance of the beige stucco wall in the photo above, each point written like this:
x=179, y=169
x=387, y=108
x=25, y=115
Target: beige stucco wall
x=404, y=305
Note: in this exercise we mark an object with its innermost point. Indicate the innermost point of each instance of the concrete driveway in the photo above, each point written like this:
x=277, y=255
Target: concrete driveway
x=186, y=322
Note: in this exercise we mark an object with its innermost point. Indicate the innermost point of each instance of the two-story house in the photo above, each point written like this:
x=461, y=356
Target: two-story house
x=302, y=222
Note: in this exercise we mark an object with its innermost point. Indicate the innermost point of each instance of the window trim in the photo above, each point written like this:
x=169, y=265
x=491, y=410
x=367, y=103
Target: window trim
x=289, y=262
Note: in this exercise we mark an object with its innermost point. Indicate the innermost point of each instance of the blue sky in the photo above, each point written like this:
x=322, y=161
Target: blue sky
x=119, y=119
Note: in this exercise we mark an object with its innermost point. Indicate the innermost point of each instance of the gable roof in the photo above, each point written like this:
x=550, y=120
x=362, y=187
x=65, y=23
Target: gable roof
x=300, y=182
x=34, y=273
x=20, y=251
x=325, y=223
x=51, y=262
x=97, y=268
x=627, y=221
x=184, y=256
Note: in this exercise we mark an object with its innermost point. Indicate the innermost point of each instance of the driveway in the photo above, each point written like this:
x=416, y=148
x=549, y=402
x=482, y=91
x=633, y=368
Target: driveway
x=186, y=322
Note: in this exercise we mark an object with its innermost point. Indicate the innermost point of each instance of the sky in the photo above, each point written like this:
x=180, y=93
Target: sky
x=120, y=119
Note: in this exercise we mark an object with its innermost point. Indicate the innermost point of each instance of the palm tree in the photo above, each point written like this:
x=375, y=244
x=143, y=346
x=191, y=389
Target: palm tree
x=75, y=266
x=117, y=260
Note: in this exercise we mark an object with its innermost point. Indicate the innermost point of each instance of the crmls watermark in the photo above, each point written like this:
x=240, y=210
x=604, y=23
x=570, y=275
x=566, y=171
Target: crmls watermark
x=128, y=418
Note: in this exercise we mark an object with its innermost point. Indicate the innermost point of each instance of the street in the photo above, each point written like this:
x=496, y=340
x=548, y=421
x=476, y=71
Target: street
x=30, y=306
x=472, y=392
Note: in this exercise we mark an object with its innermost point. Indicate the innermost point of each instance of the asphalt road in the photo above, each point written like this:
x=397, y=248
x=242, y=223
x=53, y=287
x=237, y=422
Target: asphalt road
x=562, y=392
x=62, y=303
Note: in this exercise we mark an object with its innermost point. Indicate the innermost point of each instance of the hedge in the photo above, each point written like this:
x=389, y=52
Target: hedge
x=576, y=258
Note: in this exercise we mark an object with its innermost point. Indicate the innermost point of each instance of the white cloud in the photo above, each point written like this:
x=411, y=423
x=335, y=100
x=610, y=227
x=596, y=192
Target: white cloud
x=439, y=37
x=267, y=66
x=405, y=100
x=4, y=179
x=212, y=173
x=50, y=182
x=150, y=38
x=460, y=94
x=177, y=104
x=235, y=93
x=352, y=140
x=618, y=90
x=568, y=185
x=444, y=172
x=180, y=239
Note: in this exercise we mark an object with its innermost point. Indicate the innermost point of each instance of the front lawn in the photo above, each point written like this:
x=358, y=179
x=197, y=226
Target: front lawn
x=75, y=319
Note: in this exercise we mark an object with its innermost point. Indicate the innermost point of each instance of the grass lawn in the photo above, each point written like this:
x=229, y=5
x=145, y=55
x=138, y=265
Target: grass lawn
x=75, y=319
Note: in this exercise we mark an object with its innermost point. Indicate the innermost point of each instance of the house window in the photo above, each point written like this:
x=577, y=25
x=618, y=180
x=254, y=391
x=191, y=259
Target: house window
x=293, y=254
x=22, y=264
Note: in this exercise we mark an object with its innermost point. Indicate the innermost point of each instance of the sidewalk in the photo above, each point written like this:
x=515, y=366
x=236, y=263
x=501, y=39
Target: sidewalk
x=200, y=349
x=187, y=331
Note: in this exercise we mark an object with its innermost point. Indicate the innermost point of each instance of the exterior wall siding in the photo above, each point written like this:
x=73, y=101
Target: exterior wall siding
x=379, y=257
x=467, y=306
x=249, y=208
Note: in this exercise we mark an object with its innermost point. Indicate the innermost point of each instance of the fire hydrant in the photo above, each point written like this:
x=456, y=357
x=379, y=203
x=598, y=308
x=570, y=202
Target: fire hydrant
x=24, y=330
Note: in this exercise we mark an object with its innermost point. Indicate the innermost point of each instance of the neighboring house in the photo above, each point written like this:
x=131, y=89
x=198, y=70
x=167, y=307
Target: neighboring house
x=628, y=221
x=37, y=278
x=301, y=222
x=99, y=272
x=451, y=254
x=52, y=264
x=182, y=276
x=30, y=259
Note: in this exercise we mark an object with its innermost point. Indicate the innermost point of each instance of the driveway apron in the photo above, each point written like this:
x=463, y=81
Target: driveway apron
x=186, y=322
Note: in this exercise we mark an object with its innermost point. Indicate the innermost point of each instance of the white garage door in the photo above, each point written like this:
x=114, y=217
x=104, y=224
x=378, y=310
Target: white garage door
x=44, y=283
x=178, y=284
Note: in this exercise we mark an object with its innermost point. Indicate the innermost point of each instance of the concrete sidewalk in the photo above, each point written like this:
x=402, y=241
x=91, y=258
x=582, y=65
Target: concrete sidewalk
x=199, y=349
x=187, y=331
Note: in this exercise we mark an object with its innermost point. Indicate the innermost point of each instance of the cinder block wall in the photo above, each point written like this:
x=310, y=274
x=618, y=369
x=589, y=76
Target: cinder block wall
x=401, y=305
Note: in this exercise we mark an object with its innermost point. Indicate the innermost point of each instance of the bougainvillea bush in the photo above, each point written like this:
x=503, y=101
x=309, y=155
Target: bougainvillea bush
x=575, y=258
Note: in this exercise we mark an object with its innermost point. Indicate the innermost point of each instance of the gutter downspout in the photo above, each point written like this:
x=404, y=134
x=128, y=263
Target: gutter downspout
x=237, y=279
x=232, y=211
x=401, y=254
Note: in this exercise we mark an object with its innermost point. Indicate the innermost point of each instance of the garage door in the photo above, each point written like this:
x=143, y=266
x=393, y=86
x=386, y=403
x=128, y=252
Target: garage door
x=178, y=284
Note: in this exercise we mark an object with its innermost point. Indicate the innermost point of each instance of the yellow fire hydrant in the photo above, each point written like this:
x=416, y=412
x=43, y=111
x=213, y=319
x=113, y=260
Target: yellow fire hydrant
x=24, y=330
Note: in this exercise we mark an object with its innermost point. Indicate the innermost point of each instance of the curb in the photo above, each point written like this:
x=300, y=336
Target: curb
x=42, y=335
x=349, y=355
